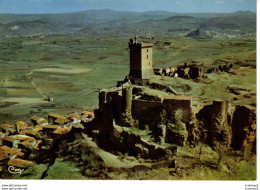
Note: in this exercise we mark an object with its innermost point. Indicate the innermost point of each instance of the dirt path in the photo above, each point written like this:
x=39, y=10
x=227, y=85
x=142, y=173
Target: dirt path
x=179, y=51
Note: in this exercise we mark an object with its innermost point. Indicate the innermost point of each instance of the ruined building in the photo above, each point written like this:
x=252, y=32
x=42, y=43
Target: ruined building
x=150, y=120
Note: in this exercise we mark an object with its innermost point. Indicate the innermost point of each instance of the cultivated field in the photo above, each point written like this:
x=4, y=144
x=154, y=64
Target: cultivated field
x=71, y=69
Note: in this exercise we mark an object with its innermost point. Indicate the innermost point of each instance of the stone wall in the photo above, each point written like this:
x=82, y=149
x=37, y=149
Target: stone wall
x=221, y=125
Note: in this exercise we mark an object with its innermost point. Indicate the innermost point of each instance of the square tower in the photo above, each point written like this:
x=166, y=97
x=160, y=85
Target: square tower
x=141, y=59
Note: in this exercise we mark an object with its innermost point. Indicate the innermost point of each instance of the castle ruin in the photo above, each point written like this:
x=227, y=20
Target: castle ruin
x=148, y=119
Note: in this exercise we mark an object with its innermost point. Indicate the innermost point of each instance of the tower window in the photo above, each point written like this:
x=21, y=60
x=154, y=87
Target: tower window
x=147, y=56
x=147, y=50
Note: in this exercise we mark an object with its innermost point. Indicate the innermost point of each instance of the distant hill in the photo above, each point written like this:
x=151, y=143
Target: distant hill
x=177, y=24
x=126, y=23
x=42, y=25
x=244, y=21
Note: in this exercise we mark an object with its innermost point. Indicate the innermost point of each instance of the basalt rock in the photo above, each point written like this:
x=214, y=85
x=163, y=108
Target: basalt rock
x=170, y=120
x=226, y=126
x=244, y=130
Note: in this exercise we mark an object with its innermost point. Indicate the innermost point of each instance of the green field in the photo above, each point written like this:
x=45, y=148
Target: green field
x=73, y=68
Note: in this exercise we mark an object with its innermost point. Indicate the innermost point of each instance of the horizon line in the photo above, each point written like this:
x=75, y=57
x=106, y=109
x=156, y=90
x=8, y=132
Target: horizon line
x=126, y=11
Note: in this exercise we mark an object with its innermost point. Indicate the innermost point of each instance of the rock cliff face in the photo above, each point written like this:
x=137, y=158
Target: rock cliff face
x=151, y=126
x=216, y=128
x=225, y=126
x=244, y=130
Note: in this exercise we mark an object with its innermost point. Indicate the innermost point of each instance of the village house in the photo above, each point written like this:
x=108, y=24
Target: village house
x=28, y=143
x=9, y=153
x=32, y=133
x=52, y=117
x=38, y=128
x=74, y=118
x=61, y=131
x=21, y=137
x=8, y=129
x=38, y=121
x=48, y=129
x=20, y=125
x=13, y=152
x=87, y=116
x=20, y=163
x=10, y=141
x=61, y=121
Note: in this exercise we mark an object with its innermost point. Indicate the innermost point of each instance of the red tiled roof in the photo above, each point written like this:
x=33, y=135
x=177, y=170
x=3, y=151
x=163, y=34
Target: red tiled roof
x=35, y=118
x=20, y=163
x=21, y=124
x=61, y=121
x=87, y=113
x=27, y=143
x=50, y=127
x=61, y=131
x=6, y=126
x=7, y=153
x=38, y=120
x=4, y=148
x=13, y=151
x=29, y=132
x=22, y=137
x=73, y=116
x=55, y=115
x=38, y=128
x=10, y=139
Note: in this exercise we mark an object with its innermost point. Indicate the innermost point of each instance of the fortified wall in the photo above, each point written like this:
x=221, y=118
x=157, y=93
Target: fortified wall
x=171, y=120
x=134, y=120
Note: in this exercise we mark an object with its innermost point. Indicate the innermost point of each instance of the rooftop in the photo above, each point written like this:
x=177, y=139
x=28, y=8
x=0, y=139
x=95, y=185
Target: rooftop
x=6, y=126
x=50, y=127
x=61, y=131
x=21, y=124
x=20, y=163
x=55, y=115
x=61, y=121
x=29, y=132
x=38, y=120
x=134, y=43
x=21, y=137
x=27, y=143
x=10, y=139
x=87, y=113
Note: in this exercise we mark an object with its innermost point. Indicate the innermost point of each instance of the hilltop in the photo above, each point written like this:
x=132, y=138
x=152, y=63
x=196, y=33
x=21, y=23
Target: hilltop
x=157, y=23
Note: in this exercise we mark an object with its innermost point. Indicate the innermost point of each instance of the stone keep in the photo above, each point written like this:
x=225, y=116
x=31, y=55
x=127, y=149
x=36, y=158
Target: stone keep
x=141, y=59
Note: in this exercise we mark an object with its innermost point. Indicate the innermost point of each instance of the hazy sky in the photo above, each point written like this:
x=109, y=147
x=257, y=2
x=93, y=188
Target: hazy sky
x=186, y=6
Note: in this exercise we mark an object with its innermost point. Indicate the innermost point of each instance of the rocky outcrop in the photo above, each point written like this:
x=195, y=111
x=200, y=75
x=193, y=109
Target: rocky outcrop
x=244, y=130
x=176, y=133
x=217, y=132
x=227, y=126
x=170, y=120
